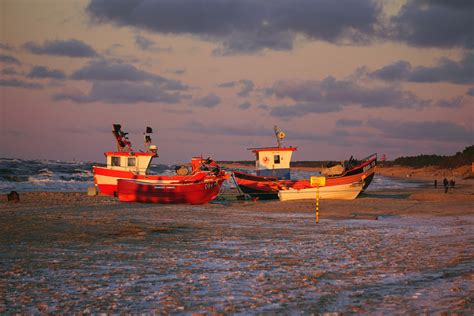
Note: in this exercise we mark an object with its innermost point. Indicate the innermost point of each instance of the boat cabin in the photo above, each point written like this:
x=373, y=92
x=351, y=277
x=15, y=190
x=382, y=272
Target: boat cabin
x=136, y=162
x=273, y=161
x=125, y=158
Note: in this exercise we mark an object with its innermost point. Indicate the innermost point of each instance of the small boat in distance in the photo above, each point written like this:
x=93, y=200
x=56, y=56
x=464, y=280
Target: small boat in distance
x=128, y=164
x=273, y=172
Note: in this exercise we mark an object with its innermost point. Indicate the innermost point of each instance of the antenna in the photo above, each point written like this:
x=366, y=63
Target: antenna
x=147, y=137
x=280, y=135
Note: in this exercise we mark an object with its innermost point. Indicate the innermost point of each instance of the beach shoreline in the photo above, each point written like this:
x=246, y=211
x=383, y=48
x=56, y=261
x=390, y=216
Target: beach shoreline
x=416, y=201
x=388, y=251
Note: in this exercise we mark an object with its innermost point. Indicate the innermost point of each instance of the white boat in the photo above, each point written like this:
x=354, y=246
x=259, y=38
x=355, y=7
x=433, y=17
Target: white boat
x=334, y=192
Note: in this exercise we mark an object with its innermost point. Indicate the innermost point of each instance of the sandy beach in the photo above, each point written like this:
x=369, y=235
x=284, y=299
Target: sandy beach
x=73, y=253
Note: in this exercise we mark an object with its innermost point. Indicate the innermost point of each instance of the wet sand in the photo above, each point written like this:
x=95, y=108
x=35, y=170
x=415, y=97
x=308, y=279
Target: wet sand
x=72, y=253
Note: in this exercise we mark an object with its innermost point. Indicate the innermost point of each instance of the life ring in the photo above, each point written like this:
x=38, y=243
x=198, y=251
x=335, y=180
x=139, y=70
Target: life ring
x=265, y=160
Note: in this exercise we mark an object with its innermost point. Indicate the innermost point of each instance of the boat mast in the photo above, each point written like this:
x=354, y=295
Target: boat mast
x=279, y=136
x=123, y=143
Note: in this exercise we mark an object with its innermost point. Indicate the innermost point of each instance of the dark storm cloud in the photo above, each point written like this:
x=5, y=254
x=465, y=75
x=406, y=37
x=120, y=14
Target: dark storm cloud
x=428, y=23
x=331, y=95
x=69, y=48
x=245, y=106
x=7, y=59
x=122, y=92
x=447, y=70
x=429, y=130
x=348, y=122
x=470, y=92
x=117, y=71
x=43, y=72
x=246, y=25
x=19, y=84
x=209, y=101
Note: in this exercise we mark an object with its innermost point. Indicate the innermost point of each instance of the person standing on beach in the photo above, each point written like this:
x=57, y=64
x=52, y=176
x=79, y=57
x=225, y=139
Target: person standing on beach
x=435, y=183
x=445, y=184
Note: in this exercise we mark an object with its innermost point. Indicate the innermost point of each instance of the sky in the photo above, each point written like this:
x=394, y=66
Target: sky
x=213, y=77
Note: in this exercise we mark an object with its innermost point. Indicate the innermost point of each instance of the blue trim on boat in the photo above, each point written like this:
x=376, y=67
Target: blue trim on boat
x=280, y=174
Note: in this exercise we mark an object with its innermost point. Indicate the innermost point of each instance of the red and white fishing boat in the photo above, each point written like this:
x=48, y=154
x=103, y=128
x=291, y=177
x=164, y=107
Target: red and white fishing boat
x=199, y=189
x=127, y=164
x=273, y=172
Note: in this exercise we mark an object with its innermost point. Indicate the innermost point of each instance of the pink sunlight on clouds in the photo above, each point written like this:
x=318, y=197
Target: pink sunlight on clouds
x=213, y=77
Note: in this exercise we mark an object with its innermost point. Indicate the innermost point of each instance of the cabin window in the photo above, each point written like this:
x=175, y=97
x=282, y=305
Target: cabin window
x=276, y=159
x=132, y=162
x=115, y=161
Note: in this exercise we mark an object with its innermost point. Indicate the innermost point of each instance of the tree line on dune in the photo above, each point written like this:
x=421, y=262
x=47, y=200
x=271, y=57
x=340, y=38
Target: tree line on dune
x=466, y=157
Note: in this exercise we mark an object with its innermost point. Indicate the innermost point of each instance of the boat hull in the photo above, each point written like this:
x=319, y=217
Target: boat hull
x=200, y=192
x=335, y=192
x=106, y=179
x=266, y=188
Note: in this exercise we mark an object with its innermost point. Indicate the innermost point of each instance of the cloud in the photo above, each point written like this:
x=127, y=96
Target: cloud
x=209, y=101
x=106, y=70
x=331, y=95
x=10, y=60
x=455, y=102
x=121, y=92
x=19, y=84
x=245, y=106
x=44, y=72
x=149, y=45
x=10, y=71
x=447, y=70
x=429, y=130
x=246, y=86
x=229, y=84
x=348, y=122
x=246, y=26
x=6, y=47
x=69, y=48
x=436, y=23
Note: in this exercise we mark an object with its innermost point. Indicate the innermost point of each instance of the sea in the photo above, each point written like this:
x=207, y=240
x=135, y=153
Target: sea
x=76, y=176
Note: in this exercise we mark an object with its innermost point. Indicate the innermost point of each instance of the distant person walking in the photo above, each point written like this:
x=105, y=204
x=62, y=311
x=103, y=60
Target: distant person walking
x=452, y=183
x=446, y=185
x=435, y=183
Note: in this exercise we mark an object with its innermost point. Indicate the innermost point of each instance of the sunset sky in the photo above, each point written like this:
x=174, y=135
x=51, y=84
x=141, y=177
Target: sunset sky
x=212, y=77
